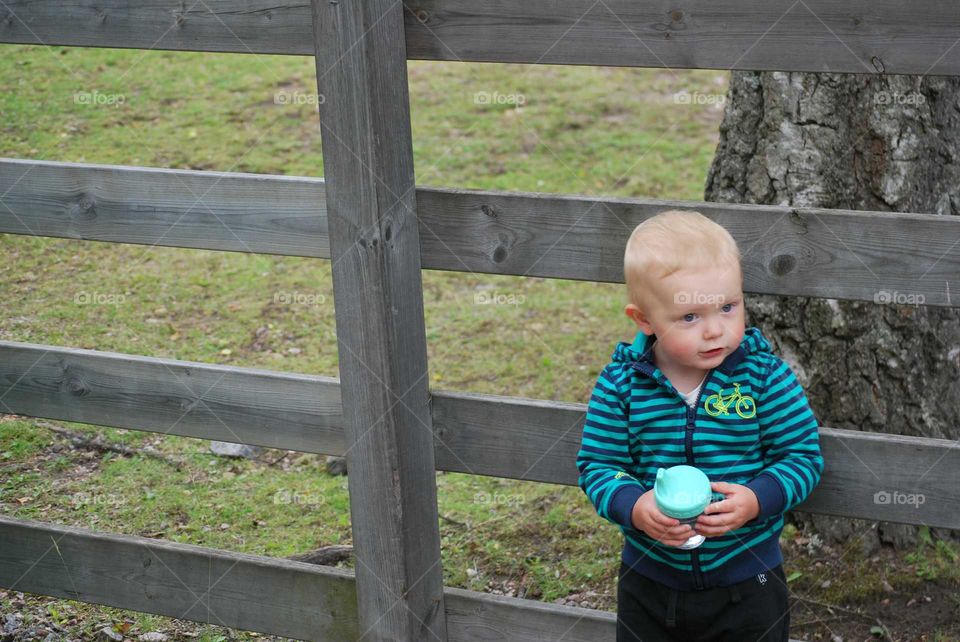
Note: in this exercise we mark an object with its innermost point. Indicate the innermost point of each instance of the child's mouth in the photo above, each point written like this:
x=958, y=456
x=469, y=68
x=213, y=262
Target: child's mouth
x=712, y=353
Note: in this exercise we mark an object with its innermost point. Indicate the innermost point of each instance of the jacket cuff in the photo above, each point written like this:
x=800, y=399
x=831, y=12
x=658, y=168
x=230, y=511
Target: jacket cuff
x=621, y=504
x=769, y=495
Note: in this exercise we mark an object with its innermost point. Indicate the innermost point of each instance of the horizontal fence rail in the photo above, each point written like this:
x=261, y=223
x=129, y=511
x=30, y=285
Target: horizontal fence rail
x=858, y=36
x=868, y=475
x=278, y=596
x=258, y=407
x=882, y=257
x=260, y=213
x=270, y=595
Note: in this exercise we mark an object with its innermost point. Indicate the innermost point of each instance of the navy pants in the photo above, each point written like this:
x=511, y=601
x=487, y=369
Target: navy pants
x=755, y=610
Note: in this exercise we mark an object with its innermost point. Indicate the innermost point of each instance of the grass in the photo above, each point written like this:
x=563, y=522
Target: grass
x=578, y=130
x=935, y=559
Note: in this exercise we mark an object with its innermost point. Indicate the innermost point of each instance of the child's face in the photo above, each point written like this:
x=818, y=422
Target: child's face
x=693, y=313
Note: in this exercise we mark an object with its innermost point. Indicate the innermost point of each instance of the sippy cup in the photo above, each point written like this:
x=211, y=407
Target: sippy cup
x=682, y=492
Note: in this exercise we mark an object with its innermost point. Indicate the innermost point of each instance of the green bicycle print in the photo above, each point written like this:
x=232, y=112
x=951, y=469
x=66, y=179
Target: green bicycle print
x=717, y=404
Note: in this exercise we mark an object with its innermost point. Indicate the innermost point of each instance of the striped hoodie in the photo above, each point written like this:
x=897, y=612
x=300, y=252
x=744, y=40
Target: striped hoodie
x=751, y=425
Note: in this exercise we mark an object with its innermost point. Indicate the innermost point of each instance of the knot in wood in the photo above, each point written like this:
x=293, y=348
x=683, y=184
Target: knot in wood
x=782, y=264
x=75, y=386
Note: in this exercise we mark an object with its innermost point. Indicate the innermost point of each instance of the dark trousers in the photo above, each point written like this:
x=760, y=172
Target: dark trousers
x=754, y=610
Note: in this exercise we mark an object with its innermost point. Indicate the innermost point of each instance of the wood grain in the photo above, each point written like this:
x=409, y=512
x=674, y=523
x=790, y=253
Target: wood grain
x=855, y=36
x=381, y=337
x=276, y=596
x=883, y=257
x=867, y=475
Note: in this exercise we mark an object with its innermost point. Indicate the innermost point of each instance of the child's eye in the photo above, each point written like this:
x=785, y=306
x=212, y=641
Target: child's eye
x=728, y=307
x=689, y=317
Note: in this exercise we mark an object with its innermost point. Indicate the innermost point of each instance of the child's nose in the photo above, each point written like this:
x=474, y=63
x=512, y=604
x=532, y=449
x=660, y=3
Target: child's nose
x=712, y=328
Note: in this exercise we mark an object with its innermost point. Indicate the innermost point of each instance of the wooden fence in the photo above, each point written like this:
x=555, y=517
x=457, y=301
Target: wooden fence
x=380, y=230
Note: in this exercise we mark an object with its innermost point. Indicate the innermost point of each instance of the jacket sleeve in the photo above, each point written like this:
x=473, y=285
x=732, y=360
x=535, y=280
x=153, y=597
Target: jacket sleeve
x=604, y=459
x=790, y=441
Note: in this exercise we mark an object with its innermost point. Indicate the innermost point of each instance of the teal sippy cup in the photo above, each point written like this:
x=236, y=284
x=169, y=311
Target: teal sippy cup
x=682, y=492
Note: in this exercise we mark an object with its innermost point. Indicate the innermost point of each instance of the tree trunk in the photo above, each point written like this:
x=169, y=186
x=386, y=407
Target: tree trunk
x=865, y=143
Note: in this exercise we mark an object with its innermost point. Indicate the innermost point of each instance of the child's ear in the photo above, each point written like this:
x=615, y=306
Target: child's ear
x=639, y=317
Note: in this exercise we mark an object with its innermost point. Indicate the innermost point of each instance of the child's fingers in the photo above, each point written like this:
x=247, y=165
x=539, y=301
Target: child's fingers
x=681, y=530
x=723, y=506
x=713, y=524
x=663, y=520
x=723, y=487
x=711, y=531
x=713, y=520
x=718, y=524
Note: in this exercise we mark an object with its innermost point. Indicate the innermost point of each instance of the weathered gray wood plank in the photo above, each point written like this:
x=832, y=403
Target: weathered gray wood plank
x=241, y=26
x=375, y=254
x=175, y=208
x=480, y=617
x=868, y=475
x=514, y=438
x=859, y=36
x=276, y=596
x=242, y=405
x=843, y=254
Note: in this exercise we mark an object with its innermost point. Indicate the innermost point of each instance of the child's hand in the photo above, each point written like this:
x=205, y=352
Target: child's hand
x=666, y=530
x=738, y=508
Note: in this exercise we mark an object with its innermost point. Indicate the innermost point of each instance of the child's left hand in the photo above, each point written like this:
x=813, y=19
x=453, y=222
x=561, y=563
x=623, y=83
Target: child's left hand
x=739, y=507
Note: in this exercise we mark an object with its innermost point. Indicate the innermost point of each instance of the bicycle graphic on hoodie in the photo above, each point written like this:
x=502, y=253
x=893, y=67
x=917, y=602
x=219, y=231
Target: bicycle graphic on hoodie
x=717, y=404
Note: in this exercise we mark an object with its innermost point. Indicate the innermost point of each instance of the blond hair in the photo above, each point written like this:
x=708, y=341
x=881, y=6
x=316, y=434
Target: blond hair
x=671, y=241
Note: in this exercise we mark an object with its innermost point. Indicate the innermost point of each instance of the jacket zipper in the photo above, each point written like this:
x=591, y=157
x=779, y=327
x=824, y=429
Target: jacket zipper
x=688, y=439
x=688, y=446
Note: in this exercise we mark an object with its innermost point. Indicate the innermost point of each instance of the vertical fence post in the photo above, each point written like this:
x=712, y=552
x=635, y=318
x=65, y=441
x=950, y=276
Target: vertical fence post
x=375, y=253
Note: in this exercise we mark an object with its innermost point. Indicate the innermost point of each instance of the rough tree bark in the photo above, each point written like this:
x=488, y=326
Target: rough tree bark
x=866, y=143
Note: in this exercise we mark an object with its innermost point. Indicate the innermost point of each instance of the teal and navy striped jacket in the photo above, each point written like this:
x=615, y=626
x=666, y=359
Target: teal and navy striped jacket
x=637, y=422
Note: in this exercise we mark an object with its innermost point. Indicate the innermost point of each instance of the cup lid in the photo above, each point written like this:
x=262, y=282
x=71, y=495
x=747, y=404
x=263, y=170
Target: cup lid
x=682, y=491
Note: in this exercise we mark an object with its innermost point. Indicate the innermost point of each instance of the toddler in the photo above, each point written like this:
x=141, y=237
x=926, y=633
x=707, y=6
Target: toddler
x=696, y=387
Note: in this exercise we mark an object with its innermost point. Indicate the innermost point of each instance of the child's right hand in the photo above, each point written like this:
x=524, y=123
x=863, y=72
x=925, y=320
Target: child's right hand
x=666, y=530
